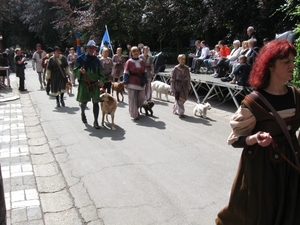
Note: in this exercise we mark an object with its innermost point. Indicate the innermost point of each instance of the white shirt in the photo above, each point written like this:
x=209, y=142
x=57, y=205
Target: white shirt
x=234, y=54
x=204, y=52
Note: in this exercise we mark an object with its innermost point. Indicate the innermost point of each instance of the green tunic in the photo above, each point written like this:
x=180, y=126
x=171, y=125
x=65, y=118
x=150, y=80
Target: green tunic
x=95, y=74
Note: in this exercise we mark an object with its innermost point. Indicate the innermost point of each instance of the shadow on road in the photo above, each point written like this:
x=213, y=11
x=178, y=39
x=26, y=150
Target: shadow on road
x=106, y=132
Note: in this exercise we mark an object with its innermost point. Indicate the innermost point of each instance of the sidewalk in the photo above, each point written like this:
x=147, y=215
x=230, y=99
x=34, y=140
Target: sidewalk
x=21, y=195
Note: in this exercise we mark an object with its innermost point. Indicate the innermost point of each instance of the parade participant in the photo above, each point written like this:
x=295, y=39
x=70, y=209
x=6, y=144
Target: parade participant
x=107, y=65
x=37, y=58
x=88, y=70
x=118, y=68
x=267, y=184
x=71, y=60
x=149, y=70
x=44, y=65
x=20, y=68
x=57, y=73
x=180, y=85
x=135, y=79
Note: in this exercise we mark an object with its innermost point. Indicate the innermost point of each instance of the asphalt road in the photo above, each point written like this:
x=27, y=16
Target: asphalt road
x=157, y=170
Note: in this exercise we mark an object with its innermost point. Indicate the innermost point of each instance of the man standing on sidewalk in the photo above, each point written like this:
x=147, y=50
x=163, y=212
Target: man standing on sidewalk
x=20, y=68
x=37, y=58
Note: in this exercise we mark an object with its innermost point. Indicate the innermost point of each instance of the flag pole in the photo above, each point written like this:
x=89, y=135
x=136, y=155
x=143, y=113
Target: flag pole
x=111, y=48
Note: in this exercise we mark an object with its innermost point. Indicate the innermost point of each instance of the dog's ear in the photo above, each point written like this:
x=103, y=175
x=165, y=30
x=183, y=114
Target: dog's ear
x=110, y=98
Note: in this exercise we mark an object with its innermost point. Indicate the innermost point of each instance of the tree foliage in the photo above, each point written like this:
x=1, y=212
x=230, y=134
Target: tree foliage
x=158, y=23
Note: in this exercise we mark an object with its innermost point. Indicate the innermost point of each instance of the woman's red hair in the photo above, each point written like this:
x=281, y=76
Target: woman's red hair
x=276, y=49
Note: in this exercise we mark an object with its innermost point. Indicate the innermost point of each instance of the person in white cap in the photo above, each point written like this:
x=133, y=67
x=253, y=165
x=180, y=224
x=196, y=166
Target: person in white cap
x=88, y=70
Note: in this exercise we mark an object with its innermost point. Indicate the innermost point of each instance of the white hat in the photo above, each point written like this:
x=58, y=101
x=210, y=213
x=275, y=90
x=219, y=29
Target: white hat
x=91, y=43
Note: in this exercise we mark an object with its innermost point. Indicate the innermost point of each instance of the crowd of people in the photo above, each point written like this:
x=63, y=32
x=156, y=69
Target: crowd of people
x=95, y=70
x=225, y=63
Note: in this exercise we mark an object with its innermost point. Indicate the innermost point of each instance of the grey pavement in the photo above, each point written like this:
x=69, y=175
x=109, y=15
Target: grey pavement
x=34, y=167
x=35, y=192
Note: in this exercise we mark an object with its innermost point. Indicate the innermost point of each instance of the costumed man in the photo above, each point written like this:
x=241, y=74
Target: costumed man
x=37, y=58
x=89, y=73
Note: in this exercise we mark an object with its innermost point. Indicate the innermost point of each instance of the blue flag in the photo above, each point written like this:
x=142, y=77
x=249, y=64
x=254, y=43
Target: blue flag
x=106, y=38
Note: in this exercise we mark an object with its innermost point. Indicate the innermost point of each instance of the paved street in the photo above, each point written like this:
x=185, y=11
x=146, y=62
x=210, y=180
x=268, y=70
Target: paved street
x=159, y=170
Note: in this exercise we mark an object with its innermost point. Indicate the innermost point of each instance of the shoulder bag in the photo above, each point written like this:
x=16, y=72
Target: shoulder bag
x=284, y=129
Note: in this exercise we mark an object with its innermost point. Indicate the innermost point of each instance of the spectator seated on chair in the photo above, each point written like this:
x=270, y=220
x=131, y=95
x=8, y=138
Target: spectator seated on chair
x=253, y=51
x=215, y=55
x=234, y=55
x=224, y=52
x=198, y=61
x=196, y=54
x=241, y=73
x=235, y=63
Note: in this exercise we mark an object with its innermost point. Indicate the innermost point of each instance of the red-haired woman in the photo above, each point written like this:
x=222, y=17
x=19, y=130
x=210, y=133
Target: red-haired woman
x=266, y=189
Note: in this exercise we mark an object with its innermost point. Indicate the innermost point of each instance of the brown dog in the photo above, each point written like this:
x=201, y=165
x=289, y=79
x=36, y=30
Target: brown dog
x=119, y=88
x=69, y=87
x=108, y=107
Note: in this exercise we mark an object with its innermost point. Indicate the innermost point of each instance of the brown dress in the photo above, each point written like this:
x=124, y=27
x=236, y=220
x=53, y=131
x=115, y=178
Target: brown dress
x=266, y=190
x=181, y=83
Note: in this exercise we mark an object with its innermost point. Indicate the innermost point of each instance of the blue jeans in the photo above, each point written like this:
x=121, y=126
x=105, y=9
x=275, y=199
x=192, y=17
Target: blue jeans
x=207, y=63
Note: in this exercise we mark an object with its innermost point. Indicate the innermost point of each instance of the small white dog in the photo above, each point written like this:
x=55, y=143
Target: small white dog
x=202, y=109
x=160, y=88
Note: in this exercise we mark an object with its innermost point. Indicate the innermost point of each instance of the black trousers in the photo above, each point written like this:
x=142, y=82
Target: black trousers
x=107, y=87
x=21, y=84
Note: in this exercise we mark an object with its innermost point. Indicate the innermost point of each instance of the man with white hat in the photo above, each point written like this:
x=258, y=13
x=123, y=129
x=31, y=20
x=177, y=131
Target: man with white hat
x=88, y=71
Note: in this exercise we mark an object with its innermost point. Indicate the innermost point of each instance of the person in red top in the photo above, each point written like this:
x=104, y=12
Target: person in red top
x=135, y=78
x=224, y=52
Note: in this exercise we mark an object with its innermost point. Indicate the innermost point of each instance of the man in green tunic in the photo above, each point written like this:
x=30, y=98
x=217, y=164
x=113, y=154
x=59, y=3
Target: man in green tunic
x=88, y=71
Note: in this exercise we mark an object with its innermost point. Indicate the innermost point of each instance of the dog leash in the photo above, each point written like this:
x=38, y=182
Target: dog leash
x=278, y=151
x=87, y=80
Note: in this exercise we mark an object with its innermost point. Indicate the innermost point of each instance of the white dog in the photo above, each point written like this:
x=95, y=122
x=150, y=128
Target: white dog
x=202, y=109
x=160, y=88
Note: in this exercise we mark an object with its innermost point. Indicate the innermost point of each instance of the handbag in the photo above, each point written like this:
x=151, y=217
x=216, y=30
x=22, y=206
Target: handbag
x=284, y=129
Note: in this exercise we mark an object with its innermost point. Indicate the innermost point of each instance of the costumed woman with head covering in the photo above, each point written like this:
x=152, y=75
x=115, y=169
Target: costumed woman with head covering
x=58, y=72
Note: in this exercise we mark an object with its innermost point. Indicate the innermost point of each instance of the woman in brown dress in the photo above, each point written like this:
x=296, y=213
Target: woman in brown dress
x=118, y=68
x=266, y=189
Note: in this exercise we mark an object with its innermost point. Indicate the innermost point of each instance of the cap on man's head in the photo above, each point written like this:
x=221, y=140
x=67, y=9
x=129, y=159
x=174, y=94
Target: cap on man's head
x=56, y=48
x=105, y=43
x=91, y=43
x=49, y=50
x=38, y=45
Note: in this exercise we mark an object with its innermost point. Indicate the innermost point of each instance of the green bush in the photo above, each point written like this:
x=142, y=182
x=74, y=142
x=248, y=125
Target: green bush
x=296, y=75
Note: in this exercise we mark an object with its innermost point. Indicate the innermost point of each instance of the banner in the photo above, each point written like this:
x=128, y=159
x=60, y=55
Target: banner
x=106, y=38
